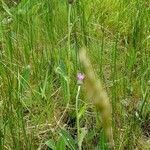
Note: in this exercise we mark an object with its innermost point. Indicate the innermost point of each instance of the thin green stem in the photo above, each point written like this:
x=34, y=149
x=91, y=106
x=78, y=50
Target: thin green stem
x=77, y=117
x=69, y=41
x=69, y=53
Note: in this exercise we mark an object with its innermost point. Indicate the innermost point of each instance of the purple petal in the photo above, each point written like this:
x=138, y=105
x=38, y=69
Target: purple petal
x=80, y=76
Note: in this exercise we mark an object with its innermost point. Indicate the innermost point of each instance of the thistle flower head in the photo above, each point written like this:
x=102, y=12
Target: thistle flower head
x=80, y=78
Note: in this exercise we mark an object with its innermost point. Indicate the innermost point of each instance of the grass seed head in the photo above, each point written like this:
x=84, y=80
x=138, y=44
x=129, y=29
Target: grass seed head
x=99, y=96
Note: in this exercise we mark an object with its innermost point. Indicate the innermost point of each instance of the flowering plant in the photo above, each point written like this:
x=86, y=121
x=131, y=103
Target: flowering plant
x=80, y=78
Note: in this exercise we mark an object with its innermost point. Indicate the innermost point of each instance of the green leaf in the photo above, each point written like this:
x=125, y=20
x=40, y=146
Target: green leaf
x=82, y=111
x=61, y=145
x=43, y=89
x=70, y=142
x=102, y=143
x=61, y=73
x=25, y=78
x=82, y=135
x=6, y=8
x=51, y=144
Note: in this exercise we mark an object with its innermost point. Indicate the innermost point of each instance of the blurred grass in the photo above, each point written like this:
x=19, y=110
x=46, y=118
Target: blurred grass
x=36, y=40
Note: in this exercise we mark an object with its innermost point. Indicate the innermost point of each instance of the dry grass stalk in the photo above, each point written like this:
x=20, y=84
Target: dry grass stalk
x=99, y=96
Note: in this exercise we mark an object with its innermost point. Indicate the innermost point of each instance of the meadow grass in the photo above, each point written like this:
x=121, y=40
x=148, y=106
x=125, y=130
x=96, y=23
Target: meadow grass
x=41, y=105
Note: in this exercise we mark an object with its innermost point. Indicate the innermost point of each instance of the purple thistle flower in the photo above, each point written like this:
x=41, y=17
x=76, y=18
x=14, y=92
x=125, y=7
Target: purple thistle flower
x=80, y=78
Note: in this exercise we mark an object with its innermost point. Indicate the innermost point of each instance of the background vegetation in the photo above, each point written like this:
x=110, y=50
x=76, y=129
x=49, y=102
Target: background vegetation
x=39, y=45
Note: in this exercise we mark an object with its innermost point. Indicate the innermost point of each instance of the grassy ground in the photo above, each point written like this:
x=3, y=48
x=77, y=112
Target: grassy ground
x=39, y=46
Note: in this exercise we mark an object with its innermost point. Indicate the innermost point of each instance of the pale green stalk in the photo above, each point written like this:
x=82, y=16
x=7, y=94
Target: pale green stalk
x=77, y=117
x=69, y=53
